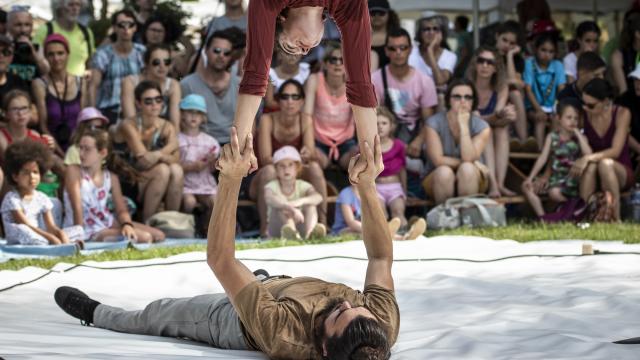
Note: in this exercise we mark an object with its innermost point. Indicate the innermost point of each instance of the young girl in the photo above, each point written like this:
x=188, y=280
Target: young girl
x=88, y=118
x=587, y=39
x=562, y=147
x=99, y=184
x=392, y=181
x=23, y=206
x=198, y=154
x=544, y=78
x=291, y=203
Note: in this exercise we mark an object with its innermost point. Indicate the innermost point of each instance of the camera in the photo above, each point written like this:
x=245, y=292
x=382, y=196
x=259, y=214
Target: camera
x=22, y=49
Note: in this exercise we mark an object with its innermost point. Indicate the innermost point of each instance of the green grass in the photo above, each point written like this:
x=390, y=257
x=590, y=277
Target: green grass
x=522, y=232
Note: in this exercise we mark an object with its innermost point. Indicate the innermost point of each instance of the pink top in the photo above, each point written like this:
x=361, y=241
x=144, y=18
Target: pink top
x=194, y=148
x=394, y=159
x=352, y=18
x=332, y=118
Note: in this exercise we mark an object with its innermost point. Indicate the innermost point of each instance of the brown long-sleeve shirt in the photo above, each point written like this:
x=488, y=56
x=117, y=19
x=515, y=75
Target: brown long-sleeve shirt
x=352, y=18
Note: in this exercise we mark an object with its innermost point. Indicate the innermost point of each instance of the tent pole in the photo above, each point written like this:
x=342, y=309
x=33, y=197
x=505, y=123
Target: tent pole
x=476, y=23
x=595, y=10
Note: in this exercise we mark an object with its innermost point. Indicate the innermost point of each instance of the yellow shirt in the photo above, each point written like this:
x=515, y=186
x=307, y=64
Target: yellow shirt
x=78, y=55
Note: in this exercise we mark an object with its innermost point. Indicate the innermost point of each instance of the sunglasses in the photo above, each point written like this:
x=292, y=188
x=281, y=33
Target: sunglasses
x=6, y=52
x=335, y=60
x=484, y=61
x=152, y=100
x=224, y=52
x=377, y=13
x=430, y=29
x=126, y=25
x=396, y=48
x=459, y=97
x=289, y=97
x=590, y=106
x=157, y=62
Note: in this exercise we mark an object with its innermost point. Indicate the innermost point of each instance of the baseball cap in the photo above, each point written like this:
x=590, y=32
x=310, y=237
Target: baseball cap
x=193, y=102
x=286, y=152
x=379, y=5
x=635, y=73
x=90, y=113
x=56, y=38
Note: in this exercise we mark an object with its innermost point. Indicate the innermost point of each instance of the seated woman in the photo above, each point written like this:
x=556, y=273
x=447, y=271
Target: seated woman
x=333, y=122
x=456, y=141
x=289, y=126
x=487, y=73
x=606, y=126
x=157, y=64
x=150, y=144
x=59, y=96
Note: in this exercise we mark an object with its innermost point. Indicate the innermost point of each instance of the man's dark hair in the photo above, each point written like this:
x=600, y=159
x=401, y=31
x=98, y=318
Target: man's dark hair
x=126, y=12
x=221, y=34
x=363, y=338
x=599, y=89
x=396, y=33
x=590, y=61
x=462, y=22
x=461, y=82
x=22, y=152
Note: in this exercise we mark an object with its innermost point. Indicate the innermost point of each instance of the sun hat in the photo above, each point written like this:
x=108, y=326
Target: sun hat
x=635, y=73
x=193, y=102
x=90, y=113
x=286, y=152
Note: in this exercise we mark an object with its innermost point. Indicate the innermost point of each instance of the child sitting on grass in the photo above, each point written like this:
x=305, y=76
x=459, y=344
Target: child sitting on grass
x=562, y=147
x=292, y=203
x=23, y=206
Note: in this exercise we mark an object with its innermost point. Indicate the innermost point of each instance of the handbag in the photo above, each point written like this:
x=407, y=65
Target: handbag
x=473, y=211
x=173, y=224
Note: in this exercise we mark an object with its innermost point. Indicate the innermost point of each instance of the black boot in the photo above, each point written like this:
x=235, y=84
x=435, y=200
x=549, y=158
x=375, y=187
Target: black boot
x=76, y=303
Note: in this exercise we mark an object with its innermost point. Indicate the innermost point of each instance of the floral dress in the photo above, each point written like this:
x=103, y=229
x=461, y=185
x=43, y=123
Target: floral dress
x=564, y=154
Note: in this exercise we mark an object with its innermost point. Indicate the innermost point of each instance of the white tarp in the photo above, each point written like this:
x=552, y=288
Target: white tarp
x=523, y=308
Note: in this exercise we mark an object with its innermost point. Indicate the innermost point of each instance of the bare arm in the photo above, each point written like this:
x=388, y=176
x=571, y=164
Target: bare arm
x=532, y=98
x=96, y=79
x=312, y=197
x=349, y=219
x=232, y=274
x=53, y=229
x=264, y=139
x=542, y=159
x=618, y=71
x=20, y=218
x=269, y=97
x=310, y=88
x=174, y=104
x=72, y=180
x=440, y=76
x=127, y=98
x=39, y=94
x=471, y=148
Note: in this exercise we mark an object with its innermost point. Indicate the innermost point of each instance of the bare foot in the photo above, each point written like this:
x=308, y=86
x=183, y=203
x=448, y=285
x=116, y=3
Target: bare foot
x=507, y=192
x=494, y=193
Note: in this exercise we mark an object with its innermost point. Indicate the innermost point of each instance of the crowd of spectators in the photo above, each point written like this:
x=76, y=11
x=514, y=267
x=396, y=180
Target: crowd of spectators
x=132, y=125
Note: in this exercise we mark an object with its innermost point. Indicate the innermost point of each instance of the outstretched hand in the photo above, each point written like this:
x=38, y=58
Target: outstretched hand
x=367, y=165
x=232, y=162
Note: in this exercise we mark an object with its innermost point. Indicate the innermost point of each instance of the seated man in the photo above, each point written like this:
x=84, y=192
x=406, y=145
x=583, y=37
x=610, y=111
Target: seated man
x=286, y=318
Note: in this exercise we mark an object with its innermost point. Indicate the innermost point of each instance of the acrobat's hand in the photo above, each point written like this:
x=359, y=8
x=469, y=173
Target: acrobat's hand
x=233, y=163
x=366, y=166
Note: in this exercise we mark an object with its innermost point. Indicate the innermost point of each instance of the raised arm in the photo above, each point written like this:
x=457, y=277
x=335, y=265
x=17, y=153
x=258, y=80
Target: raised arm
x=221, y=252
x=363, y=170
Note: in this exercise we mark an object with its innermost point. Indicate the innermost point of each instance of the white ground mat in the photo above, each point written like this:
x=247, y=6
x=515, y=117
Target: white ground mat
x=520, y=308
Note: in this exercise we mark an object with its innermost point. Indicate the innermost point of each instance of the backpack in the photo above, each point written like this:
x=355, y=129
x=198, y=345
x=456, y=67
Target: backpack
x=173, y=224
x=85, y=33
x=600, y=207
x=473, y=211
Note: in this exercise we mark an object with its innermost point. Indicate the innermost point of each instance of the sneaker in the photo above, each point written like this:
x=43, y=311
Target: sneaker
x=289, y=232
x=394, y=225
x=261, y=274
x=76, y=303
x=418, y=228
x=319, y=232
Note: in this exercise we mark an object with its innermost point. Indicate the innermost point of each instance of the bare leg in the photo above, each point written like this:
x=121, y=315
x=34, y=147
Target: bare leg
x=613, y=177
x=501, y=145
x=256, y=192
x=310, y=219
x=533, y=199
x=345, y=158
x=313, y=173
x=154, y=189
x=467, y=179
x=555, y=194
x=516, y=98
x=207, y=201
x=588, y=181
x=443, y=184
x=490, y=156
x=174, y=188
x=397, y=207
x=540, y=131
x=189, y=203
x=322, y=158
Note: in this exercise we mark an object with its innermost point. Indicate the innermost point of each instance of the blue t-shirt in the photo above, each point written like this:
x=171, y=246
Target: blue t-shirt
x=346, y=197
x=544, y=83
